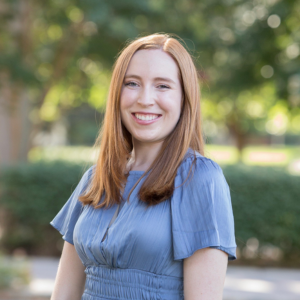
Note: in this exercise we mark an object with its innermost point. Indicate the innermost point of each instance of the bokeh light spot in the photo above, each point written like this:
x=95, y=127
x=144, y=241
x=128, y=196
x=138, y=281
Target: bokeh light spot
x=274, y=21
x=292, y=51
x=267, y=71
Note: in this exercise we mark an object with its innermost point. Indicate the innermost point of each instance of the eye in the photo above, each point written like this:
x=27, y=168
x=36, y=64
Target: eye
x=163, y=86
x=131, y=83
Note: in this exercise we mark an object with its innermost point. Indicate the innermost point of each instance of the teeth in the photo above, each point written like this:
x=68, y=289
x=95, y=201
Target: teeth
x=146, y=117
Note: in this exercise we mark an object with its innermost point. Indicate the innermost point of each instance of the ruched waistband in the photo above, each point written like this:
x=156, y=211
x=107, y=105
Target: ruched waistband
x=103, y=282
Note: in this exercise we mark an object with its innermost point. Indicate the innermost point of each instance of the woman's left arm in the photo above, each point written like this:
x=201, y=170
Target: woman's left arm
x=204, y=274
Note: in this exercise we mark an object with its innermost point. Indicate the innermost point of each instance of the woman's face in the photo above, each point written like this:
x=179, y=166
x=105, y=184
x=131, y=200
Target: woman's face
x=151, y=96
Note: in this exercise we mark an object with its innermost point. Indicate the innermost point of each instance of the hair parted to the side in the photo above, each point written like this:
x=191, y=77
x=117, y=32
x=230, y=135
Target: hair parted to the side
x=115, y=141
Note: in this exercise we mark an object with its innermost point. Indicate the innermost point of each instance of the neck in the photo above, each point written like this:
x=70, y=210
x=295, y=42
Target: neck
x=143, y=155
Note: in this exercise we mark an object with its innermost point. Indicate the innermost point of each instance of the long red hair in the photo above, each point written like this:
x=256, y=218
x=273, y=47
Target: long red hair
x=115, y=142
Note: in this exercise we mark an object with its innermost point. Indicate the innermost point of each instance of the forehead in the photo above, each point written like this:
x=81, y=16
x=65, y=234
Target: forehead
x=153, y=63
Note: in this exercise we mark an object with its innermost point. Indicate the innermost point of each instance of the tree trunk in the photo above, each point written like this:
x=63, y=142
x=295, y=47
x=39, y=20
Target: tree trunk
x=14, y=123
x=16, y=130
x=240, y=137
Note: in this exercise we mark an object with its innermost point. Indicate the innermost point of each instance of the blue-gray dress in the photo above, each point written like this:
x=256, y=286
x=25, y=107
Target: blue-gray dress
x=141, y=256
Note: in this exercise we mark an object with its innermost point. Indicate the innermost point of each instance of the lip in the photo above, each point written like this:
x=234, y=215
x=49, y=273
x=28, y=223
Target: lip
x=145, y=113
x=145, y=122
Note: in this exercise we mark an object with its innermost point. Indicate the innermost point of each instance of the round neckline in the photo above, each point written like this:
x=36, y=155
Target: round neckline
x=136, y=172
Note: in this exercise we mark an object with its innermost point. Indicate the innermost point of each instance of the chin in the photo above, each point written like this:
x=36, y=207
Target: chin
x=145, y=140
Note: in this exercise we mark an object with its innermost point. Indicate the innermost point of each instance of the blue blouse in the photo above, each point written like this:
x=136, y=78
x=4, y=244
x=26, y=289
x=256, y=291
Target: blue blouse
x=141, y=256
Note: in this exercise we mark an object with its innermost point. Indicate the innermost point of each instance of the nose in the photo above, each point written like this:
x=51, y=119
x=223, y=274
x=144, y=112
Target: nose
x=146, y=97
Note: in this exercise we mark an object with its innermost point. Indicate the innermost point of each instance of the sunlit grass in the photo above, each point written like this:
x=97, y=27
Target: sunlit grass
x=78, y=154
x=225, y=155
x=222, y=154
x=270, y=156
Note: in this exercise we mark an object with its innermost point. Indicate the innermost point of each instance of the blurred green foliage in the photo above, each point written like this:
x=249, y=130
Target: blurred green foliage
x=31, y=195
x=14, y=273
x=265, y=205
x=246, y=52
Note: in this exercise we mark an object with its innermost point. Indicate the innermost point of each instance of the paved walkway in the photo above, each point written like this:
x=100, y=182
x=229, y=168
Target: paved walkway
x=242, y=283
x=249, y=283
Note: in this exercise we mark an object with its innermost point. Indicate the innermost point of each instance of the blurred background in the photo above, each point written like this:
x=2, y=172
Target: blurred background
x=56, y=60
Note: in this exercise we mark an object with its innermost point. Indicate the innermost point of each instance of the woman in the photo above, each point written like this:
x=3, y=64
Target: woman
x=153, y=218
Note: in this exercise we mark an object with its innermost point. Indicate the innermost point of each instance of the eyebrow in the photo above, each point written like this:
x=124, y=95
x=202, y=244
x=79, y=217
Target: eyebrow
x=156, y=78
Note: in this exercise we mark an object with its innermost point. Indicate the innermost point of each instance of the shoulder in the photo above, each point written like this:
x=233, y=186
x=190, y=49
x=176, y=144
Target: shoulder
x=89, y=172
x=199, y=167
x=86, y=179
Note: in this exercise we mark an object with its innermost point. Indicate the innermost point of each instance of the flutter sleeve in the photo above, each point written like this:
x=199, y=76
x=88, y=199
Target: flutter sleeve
x=201, y=210
x=67, y=217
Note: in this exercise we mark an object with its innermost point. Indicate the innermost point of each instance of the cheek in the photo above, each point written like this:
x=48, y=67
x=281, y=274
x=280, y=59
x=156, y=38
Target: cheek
x=171, y=104
x=123, y=105
x=126, y=103
x=127, y=98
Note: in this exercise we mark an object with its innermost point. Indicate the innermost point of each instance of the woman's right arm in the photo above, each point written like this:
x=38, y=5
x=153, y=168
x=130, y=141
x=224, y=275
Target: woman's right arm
x=70, y=278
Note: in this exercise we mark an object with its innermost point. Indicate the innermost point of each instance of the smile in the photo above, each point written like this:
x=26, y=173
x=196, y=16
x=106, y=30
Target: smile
x=145, y=119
